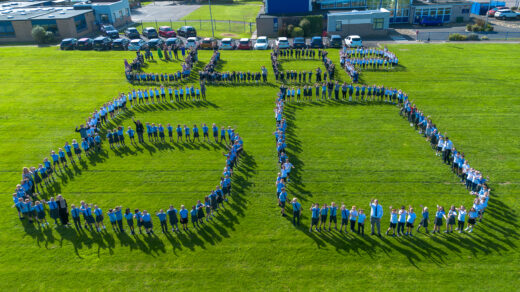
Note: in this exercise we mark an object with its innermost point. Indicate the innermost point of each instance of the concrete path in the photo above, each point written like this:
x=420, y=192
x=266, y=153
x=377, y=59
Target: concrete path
x=162, y=11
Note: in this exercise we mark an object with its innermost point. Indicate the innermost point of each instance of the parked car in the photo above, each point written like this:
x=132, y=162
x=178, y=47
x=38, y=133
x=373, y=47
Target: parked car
x=244, y=44
x=150, y=33
x=120, y=44
x=191, y=42
x=430, y=21
x=174, y=41
x=110, y=31
x=137, y=44
x=353, y=41
x=317, y=42
x=335, y=41
x=299, y=42
x=227, y=44
x=102, y=43
x=167, y=32
x=491, y=12
x=283, y=43
x=85, y=44
x=69, y=44
x=208, y=43
x=132, y=33
x=262, y=43
x=506, y=14
x=187, y=31
x=153, y=44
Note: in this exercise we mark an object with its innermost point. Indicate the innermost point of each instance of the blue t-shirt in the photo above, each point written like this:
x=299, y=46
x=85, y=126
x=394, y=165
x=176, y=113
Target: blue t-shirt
x=162, y=216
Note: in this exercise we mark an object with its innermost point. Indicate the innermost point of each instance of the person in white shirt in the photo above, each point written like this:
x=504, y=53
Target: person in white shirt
x=376, y=212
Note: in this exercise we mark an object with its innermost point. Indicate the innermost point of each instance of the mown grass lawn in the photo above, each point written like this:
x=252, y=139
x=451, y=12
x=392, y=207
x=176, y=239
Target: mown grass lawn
x=246, y=11
x=343, y=152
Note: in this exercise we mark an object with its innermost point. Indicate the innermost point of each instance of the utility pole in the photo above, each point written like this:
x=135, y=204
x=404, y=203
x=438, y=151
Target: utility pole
x=211, y=19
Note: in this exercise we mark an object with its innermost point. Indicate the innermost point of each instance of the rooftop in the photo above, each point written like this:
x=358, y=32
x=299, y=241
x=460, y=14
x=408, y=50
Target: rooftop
x=40, y=13
x=358, y=12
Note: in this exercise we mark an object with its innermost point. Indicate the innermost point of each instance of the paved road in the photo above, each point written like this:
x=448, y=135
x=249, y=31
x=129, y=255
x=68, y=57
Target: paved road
x=162, y=11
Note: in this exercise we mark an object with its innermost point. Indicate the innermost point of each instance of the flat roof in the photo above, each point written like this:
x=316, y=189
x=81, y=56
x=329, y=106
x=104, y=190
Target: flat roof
x=358, y=12
x=40, y=13
x=20, y=4
x=445, y=3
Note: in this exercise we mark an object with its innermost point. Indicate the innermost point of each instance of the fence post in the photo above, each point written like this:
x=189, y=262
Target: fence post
x=171, y=25
x=250, y=27
x=229, y=21
x=506, y=34
x=155, y=21
x=185, y=22
x=200, y=22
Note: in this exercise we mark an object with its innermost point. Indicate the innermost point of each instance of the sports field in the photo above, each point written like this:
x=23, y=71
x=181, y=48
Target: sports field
x=342, y=152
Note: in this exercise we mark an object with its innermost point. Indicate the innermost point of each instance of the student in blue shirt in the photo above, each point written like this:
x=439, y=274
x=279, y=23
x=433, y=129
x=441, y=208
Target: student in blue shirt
x=183, y=213
x=99, y=218
x=438, y=219
x=297, y=211
x=194, y=217
x=393, y=221
x=68, y=150
x=281, y=201
x=162, y=218
x=172, y=216
x=323, y=216
x=401, y=221
x=361, y=222
x=48, y=169
x=187, y=133
x=472, y=219
x=207, y=206
x=205, y=132
x=333, y=212
x=40, y=214
x=353, y=218
x=147, y=222
x=75, y=213
x=130, y=220
x=112, y=216
x=160, y=129
x=461, y=219
x=223, y=135
x=450, y=219
x=315, y=216
x=179, y=133
x=344, y=218
x=196, y=133
x=131, y=134
x=119, y=217
x=170, y=132
x=409, y=221
x=200, y=212
x=215, y=132
x=425, y=219
x=53, y=210
x=138, y=219
x=63, y=160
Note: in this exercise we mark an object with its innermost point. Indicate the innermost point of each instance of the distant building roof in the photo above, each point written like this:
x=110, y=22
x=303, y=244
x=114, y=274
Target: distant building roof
x=40, y=13
x=358, y=12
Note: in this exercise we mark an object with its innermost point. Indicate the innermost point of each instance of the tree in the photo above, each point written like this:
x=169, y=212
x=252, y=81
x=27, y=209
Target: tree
x=297, y=32
x=39, y=34
x=305, y=24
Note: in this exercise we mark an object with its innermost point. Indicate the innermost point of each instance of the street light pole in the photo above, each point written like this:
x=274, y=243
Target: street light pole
x=211, y=19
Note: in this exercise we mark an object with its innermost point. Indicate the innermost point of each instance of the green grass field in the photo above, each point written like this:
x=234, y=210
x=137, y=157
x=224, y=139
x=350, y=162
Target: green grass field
x=343, y=152
x=237, y=12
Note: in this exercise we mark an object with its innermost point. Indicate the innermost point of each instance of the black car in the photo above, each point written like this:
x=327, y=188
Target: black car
x=150, y=33
x=69, y=44
x=85, y=44
x=187, y=31
x=120, y=44
x=102, y=43
x=110, y=31
x=132, y=33
x=335, y=41
x=153, y=44
x=299, y=42
x=317, y=42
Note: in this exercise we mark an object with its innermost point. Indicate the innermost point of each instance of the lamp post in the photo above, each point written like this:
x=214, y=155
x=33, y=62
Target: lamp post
x=211, y=19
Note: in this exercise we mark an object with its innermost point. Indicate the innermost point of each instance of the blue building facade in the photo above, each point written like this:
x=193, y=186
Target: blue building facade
x=288, y=6
x=115, y=13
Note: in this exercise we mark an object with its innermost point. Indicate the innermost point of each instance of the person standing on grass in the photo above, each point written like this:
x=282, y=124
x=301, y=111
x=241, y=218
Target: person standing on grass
x=75, y=213
x=130, y=220
x=345, y=214
x=324, y=211
x=297, y=210
x=450, y=219
x=179, y=133
x=425, y=219
x=333, y=212
x=215, y=132
x=353, y=218
x=68, y=150
x=361, y=222
x=119, y=217
x=315, y=216
x=113, y=220
x=393, y=221
x=409, y=221
x=53, y=210
x=187, y=134
x=162, y=218
x=172, y=216
x=138, y=219
x=139, y=128
x=63, y=210
x=281, y=201
x=205, y=132
x=147, y=222
x=376, y=212
x=401, y=222
x=461, y=219
x=184, y=217
x=438, y=219
x=194, y=217
x=131, y=134
x=99, y=218
x=472, y=220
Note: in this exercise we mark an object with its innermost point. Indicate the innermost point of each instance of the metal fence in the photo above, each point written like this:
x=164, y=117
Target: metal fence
x=444, y=36
x=203, y=27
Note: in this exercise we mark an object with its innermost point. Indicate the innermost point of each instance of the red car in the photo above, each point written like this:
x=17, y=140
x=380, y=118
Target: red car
x=167, y=32
x=492, y=11
x=245, y=44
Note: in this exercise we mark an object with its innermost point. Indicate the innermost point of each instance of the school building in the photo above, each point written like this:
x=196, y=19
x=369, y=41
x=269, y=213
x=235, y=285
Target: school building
x=367, y=18
x=17, y=19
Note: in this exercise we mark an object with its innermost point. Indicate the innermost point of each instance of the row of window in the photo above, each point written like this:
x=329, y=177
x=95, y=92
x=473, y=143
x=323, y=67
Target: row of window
x=377, y=24
x=7, y=29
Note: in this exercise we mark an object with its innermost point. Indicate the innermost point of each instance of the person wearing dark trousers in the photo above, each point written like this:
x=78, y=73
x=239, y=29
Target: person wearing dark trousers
x=162, y=219
x=139, y=128
x=297, y=210
x=376, y=212
x=75, y=212
x=62, y=210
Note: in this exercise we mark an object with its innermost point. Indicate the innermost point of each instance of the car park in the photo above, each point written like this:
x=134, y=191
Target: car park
x=174, y=42
x=316, y=42
x=262, y=43
x=506, y=14
x=167, y=32
x=491, y=12
x=299, y=42
x=85, y=44
x=283, y=43
x=227, y=44
x=335, y=41
x=120, y=44
x=110, y=31
x=244, y=44
x=69, y=44
x=353, y=41
x=150, y=33
x=132, y=33
x=102, y=43
x=191, y=43
x=137, y=44
x=187, y=31
x=156, y=43
x=208, y=43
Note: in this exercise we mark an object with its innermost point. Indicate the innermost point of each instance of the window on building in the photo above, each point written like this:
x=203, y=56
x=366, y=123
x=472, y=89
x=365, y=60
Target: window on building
x=6, y=29
x=378, y=23
x=120, y=13
x=48, y=24
x=339, y=25
x=275, y=24
x=81, y=23
x=127, y=12
x=104, y=18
